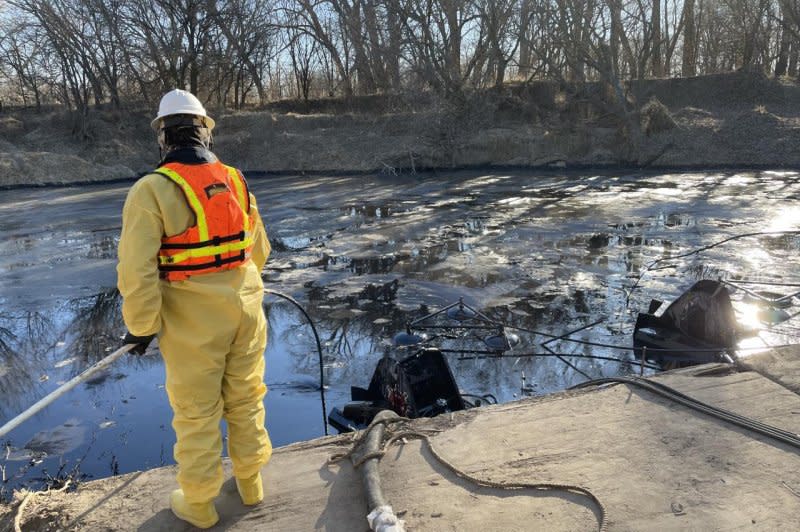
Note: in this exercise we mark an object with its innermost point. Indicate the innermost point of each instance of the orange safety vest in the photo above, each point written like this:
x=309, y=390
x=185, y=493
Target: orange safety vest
x=222, y=236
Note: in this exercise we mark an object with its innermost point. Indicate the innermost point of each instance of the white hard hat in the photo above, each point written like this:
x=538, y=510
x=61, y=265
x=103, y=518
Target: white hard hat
x=178, y=102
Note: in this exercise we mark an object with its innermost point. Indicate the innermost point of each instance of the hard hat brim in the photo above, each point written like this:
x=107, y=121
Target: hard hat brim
x=155, y=124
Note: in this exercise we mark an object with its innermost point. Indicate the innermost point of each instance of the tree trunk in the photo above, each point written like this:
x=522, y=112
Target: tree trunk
x=351, y=18
x=377, y=57
x=194, y=76
x=794, y=59
x=395, y=44
x=658, y=65
x=782, y=64
x=525, y=54
x=324, y=39
x=689, y=66
x=37, y=96
x=748, y=50
x=454, y=48
x=616, y=33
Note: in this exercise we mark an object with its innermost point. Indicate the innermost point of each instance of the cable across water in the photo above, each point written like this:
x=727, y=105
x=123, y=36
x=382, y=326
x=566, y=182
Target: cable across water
x=294, y=302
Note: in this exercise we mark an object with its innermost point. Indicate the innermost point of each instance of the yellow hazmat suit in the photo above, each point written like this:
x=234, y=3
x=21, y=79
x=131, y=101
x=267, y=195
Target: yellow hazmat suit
x=212, y=334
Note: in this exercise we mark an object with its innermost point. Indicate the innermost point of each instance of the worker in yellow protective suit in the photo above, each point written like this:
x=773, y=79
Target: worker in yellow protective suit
x=190, y=256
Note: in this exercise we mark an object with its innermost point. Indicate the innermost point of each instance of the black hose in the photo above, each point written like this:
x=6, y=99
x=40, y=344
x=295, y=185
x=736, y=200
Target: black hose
x=293, y=301
x=783, y=436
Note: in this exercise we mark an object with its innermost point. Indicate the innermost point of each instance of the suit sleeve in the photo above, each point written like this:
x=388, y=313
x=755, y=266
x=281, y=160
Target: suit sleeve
x=261, y=247
x=137, y=270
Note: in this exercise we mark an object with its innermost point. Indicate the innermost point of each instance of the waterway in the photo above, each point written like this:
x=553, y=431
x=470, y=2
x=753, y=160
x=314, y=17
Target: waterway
x=550, y=252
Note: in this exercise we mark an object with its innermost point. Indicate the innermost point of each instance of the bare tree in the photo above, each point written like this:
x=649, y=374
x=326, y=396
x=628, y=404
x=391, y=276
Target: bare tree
x=315, y=20
x=302, y=51
x=434, y=31
x=20, y=50
x=497, y=16
x=253, y=37
x=96, y=52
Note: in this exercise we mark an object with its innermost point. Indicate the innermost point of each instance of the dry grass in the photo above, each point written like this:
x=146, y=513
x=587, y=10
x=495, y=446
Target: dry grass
x=723, y=120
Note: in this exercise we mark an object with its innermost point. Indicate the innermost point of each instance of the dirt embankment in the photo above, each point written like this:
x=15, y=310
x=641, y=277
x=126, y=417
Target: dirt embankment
x=740, y=119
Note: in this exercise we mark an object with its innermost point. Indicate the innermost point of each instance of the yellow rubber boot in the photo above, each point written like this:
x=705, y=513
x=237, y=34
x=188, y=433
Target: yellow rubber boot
x=251, y=490
x=201, y=515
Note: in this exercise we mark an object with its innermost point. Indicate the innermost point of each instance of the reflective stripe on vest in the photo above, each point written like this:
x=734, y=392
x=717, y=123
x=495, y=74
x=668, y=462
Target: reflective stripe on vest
x=219, y=198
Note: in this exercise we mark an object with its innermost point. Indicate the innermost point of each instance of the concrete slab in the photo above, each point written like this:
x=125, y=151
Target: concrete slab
x=781, y=365
x=654, y=465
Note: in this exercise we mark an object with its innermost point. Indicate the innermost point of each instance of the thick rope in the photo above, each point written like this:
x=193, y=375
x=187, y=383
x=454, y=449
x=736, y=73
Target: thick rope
x=404, y=433
x=358, y=438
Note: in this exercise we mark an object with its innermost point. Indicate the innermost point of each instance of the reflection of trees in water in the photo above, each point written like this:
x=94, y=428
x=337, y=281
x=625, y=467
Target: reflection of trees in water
x=349, y=337
x=358, y=329
x=551, y=313
x=39, y=334
x=96, y=324
x=7, y=337
x=343, y=339
x=32, y=361
x=25, y=331
x=25, y=339
x=372, y=319
x=354, y=329
x=338, y=342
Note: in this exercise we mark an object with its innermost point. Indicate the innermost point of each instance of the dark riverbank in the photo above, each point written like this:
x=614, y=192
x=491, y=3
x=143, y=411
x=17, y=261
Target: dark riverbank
x=740, y=120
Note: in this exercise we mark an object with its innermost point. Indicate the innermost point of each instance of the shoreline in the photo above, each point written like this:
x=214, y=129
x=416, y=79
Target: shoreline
x=740, y=121
x=548, y=170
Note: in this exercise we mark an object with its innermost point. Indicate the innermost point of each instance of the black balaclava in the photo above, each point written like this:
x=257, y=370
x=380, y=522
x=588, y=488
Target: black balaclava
x=182, y=131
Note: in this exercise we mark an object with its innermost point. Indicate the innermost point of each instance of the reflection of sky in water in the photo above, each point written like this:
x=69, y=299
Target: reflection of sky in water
x=364, y=255
x=784, y=219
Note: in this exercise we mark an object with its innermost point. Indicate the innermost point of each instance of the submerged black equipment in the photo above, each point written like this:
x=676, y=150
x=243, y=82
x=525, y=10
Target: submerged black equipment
x=420, y=385
x=698, y=327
